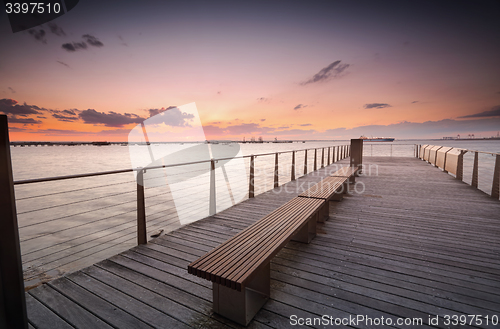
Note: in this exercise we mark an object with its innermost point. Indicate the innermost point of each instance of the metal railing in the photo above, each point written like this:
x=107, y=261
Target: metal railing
x=56, y=233
x=388, y=149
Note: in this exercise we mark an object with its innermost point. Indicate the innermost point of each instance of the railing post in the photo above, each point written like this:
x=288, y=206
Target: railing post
x=323, y=158
x=338, y=153
x=141, y=209
x=495, y=187
x=212, y=210
x=305, y=163
x=12, y=299
x=315, y=158
x=252, y=178
x=276, y=183
x=292, y=175
x=475, y=170
x=460, y=166
x=328, y=162
x=356, y=155
x=333, y=154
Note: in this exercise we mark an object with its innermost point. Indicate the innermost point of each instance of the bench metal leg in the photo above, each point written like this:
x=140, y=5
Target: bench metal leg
x=241, y=306
x=308, y=231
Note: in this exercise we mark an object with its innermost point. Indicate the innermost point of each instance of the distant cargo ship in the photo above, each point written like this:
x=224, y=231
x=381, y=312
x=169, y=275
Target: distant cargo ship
x=377, y=139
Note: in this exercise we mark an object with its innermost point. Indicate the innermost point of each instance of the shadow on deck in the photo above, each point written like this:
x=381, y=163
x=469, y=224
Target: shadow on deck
x=416, y=243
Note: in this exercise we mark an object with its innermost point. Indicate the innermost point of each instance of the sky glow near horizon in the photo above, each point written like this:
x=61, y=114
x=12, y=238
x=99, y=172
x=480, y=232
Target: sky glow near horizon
x=291, y=70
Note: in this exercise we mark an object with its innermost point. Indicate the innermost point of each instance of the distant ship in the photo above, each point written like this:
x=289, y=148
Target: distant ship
x=377, y=139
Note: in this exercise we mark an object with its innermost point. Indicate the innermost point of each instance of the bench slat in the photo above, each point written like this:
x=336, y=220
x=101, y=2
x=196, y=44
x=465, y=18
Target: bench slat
x=229, y=246
x=233, y=262
x=246, y=240
x=324, y=189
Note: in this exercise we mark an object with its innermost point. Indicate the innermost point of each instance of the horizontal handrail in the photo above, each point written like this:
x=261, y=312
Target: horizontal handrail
x=111, y=172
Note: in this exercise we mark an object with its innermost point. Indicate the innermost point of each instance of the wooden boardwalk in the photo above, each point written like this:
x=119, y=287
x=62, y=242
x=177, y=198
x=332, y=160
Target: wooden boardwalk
x=416, y=243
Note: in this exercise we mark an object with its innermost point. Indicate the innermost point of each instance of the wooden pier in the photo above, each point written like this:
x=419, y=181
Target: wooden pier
x=416, y=243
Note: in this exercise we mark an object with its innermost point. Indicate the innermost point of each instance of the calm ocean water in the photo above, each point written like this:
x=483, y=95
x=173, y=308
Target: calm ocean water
x=66, y=225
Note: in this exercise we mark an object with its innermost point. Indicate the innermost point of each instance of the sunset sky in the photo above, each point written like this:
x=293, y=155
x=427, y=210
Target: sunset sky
x=285, y=69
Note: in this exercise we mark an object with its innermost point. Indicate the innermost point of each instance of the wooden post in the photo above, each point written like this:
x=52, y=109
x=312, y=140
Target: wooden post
x=323, y=158
x=357, y=155
x=495, y=187
x=252, y=178
x=475, y=170
x=276, y=183
x=333, y=154
x=212, y=210
x=141, y=209
x=460, y=165
x=315, y=158
x=292, y=175
x=328, y=162
x=305, y=163
x=12, y=300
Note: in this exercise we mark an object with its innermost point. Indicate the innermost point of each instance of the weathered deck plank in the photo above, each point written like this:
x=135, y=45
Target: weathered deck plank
x=416, y=243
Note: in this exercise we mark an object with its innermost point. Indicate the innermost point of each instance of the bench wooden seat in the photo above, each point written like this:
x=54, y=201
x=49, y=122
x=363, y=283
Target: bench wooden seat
x=349, y=172
x=240, y=267
x=330, y=188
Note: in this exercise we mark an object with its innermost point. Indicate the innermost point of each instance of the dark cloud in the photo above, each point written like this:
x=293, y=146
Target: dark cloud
x=11, y=90
x=110, y=119
x=14, y=129
x=39, y=35
x=305, y=125
x=93, y=41
x=41, y=117
x=70, y=111
x=56, y=29
x=11, y=106
x=284, y=127
x=414, y=102
x=65, y=118
x=26, y=121
x=62, y=63
x=334, y=70
x=153, y=112
x=218, y=93
x=263, y=99
x=300, y=106
x=74, y=46
x=172, y=116
x=376, y=105
x=494, y=112
x=262, y=120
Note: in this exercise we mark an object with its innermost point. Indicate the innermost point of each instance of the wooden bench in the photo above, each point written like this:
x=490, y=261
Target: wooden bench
x=240, y=267
x=349, y=172
x=330, y=188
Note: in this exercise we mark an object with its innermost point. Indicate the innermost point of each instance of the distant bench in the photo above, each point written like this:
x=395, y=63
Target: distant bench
x=240, y=267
